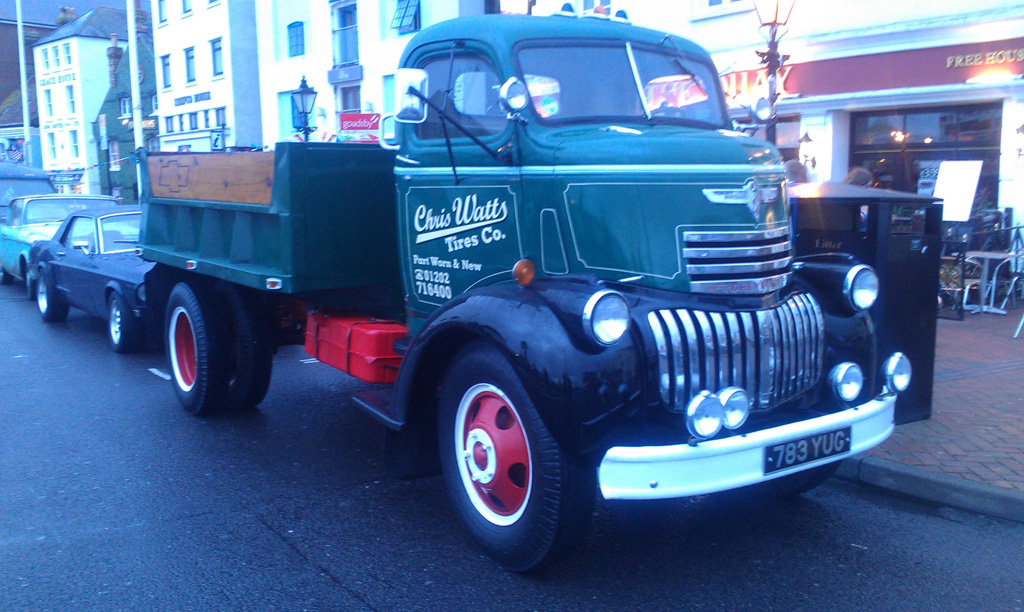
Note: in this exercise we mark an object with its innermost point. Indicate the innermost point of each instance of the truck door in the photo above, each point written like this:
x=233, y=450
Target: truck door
x=458, y=199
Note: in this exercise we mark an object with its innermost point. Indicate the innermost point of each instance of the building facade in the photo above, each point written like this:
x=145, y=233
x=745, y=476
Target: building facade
x=894, y=87
x=208, y=75
x=72, y=79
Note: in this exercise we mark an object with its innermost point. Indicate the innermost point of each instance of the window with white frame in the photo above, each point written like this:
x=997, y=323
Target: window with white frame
x=70, y=91
x=165, y=70
x=48, y=102
x=169, y=124
x=186, y=7
x=702, y=9
x=346, y=34
x=46, y=58
x=155, y=104
x=347, y=99
x=407, y=16
x=126, y=106
x=115, y=155
x=56, y=56
x=73, y=136
x=222, y=117
x=161, y=10
x=296, y=39
x=190, y=65
x=67, y=53
x=217, y=56
x=51, y=143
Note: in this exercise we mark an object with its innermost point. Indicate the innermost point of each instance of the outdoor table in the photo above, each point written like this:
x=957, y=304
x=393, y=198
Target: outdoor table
x=985, y=257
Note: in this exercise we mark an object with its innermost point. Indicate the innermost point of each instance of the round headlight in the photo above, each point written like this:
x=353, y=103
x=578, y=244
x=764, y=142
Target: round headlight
x=897, y=373
x=704, y=415
x=140, y=293
x=861, y=287
x=847, y=381
x=607, y=316
x=735, y=405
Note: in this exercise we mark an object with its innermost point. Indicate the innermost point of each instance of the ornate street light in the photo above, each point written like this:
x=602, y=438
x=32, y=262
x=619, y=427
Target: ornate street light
x=302, y=100
x=773, y=15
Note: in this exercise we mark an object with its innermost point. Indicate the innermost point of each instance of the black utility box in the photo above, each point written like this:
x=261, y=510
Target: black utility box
x=899, y=235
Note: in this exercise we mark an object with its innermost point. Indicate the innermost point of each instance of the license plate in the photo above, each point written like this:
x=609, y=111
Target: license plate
x=789, y=454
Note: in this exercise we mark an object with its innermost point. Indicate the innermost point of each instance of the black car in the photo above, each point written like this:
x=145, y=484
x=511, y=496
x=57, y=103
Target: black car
x=91, y=264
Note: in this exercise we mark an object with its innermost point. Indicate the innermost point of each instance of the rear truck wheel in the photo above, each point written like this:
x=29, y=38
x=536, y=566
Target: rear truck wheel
x=125, y=329
x=52, y=306
x=250, y=348
x=197, y=350
x=519, y=496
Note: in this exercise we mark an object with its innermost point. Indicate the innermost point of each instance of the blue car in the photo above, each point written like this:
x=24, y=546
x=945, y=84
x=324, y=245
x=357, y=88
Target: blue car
x=90, y=263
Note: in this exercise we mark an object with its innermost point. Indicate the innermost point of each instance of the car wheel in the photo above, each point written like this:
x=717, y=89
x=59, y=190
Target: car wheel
x=197, y=354
x=52, y=306
x=125, y=329
x=520, y=497
x=250, y=348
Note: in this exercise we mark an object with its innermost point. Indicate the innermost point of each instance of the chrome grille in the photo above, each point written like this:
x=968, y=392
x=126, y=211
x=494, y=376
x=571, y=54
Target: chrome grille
x=751, y=262
x=774, y=355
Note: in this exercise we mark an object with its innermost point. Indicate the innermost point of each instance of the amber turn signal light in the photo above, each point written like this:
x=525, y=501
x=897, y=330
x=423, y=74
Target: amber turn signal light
x=523, y=272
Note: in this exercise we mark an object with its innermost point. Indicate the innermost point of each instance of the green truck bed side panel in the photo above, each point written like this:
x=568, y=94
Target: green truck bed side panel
x=330, y=223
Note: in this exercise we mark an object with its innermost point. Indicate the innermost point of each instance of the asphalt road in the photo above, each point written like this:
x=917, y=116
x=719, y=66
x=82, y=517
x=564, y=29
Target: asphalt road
x=113, y=498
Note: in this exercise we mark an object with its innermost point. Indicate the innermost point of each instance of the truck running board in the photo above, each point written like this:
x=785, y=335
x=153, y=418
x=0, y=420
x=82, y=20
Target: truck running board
x=379, y=405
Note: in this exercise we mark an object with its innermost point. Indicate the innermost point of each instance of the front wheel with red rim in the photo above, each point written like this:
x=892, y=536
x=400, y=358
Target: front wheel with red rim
x=522, y=500
x=196, y=350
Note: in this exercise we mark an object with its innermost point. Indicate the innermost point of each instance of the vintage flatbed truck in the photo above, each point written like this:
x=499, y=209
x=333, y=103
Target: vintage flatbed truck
x=564, y=272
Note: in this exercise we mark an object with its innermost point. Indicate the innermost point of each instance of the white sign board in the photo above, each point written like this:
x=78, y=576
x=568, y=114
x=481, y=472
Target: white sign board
x=955, y=186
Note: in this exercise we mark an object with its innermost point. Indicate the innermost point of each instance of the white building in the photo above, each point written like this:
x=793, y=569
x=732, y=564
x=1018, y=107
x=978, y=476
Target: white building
x=208, y=74
x=349, y=53
x=72, y=79
x=896, y=87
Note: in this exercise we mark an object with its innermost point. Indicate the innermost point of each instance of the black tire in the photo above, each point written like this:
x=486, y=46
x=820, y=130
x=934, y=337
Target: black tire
x=537, y=501
x=52, y=306
x=795, y=484
x=250, y=348
x=197, y=350
x=5, y=278
x=124, y=329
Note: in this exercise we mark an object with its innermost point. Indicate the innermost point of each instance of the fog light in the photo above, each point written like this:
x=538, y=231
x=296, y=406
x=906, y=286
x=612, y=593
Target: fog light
x=897, y=373
x=861, y=287
x=704, y=415
x=606, y=315
x=735, y=406
x=847, y=381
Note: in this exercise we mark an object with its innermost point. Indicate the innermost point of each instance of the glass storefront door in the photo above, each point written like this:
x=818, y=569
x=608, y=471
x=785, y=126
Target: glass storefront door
x=903, y=148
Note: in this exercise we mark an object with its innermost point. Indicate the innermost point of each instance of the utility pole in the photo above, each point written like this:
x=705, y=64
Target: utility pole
x=26, y=150
x=133, y=69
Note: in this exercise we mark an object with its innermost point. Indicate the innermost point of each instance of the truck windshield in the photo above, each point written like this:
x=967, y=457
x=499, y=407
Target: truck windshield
x=596, y=83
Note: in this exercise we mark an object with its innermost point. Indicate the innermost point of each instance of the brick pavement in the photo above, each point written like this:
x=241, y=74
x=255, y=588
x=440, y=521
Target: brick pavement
x=976, y=430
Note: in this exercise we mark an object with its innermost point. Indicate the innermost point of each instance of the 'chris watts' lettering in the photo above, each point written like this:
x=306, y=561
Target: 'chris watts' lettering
x=467, y=214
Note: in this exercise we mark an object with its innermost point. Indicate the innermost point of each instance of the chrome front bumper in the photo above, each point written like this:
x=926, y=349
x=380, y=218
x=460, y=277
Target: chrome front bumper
x=658, y=472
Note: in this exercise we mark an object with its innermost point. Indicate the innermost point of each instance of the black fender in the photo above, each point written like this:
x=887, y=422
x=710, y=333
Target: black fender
x=582, y=389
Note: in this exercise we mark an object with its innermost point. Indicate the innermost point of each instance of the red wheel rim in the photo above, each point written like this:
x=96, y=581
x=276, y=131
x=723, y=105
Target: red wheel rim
x=183, y=352
x=494, y=454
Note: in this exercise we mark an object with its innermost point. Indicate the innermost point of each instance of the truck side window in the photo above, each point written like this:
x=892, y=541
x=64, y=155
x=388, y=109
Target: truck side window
x=467, y=90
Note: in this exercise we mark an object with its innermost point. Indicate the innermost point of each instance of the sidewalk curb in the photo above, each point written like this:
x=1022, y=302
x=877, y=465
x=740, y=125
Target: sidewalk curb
x=934, y=487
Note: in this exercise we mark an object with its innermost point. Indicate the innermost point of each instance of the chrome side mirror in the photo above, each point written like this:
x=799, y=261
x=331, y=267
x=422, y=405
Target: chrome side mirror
x=410, y=108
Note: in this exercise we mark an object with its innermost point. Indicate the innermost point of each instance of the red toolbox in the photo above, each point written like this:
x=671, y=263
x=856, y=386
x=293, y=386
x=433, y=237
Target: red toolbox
x=355, y=344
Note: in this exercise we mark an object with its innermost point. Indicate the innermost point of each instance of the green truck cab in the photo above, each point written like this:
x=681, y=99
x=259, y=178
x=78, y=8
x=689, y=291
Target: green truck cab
x=564, y=269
